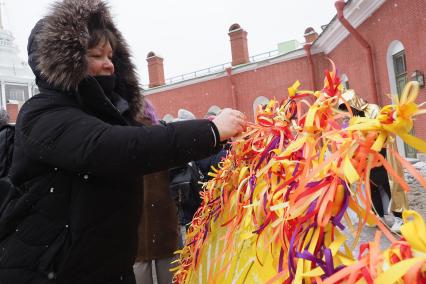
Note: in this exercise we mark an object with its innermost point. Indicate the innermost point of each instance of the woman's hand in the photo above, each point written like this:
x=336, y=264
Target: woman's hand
x=230, y=123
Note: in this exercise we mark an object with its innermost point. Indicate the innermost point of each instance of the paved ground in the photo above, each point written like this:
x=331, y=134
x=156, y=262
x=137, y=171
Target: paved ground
x=416, y=199
x=417, y=194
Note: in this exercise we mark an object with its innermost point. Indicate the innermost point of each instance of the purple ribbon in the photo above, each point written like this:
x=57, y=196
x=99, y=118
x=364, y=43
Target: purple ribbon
x=291, y=266
x=313, y=225
x=281, y=260
x=272, y=145
x=338, y=218
x=252, y=182
x=264, y=202
x=308, y=256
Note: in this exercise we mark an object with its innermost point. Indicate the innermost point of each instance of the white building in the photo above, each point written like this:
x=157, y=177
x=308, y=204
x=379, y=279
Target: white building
x=17, y=82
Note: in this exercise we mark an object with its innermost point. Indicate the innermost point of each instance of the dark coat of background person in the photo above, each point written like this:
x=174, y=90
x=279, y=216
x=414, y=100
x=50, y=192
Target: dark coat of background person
x=205, y=165
x=185, y=187
x=186, y=184
x=77, y=160
x=379, y=178
x=158, y=229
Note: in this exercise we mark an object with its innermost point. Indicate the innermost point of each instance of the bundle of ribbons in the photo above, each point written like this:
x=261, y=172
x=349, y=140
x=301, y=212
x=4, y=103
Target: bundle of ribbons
x=276, y=209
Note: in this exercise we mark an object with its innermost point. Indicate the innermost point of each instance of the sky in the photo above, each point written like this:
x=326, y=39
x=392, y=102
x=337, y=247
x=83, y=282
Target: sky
x=189, y=34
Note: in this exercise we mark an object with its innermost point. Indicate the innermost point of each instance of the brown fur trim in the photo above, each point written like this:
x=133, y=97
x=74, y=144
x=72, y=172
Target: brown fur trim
x=62, y=44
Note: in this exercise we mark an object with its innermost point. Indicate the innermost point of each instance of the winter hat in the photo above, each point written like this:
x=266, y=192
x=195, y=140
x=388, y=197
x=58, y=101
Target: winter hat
x=359, y=104
x=58, y=44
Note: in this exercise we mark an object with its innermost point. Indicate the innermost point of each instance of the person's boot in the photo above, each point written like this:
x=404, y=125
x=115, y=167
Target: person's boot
x=396, y=227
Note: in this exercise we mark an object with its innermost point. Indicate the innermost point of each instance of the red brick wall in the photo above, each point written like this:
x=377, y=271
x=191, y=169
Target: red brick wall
x=196, y=98
x=269, y=81
x=402, y=20
x=12, y=110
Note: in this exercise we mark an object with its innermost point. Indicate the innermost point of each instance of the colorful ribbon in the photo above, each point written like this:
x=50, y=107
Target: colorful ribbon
x=277, y=206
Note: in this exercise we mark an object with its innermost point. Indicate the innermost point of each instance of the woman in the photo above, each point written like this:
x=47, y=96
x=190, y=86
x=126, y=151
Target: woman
x=79, y=154
x=379, y=179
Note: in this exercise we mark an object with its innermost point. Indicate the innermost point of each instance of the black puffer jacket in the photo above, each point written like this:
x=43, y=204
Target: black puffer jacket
x=78, y=160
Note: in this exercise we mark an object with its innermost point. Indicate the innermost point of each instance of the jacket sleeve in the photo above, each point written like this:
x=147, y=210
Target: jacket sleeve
x=71, y=139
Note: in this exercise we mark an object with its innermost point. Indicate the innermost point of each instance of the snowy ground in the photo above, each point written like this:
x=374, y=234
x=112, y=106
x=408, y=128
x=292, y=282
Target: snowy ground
x=417, y=194
x=417, y=201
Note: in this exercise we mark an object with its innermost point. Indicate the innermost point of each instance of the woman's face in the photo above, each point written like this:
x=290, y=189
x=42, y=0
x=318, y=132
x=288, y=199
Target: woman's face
x=99, y=59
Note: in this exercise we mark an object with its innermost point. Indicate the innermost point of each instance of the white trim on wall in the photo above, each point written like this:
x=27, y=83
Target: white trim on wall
x=214, y=109
x=259, y=101
x=394, y=47
x=344, y=79
x=168, y=118
x=356, y=12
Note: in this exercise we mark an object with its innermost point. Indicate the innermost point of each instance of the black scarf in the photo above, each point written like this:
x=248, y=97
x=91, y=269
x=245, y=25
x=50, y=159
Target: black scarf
x=107, y=83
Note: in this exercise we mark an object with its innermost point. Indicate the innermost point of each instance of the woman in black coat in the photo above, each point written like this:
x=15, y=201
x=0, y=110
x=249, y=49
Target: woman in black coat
x=79, y=154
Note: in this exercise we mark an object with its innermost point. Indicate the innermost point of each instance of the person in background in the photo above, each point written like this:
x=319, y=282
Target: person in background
x=186, y=181
x=158, y=226
x=399, y=201
x=381, y=194
x=185, y=187
x=205, y=164
x=80, y=153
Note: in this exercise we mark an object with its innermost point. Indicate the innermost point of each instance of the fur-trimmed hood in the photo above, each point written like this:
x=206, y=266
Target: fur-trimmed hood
x=58, y=44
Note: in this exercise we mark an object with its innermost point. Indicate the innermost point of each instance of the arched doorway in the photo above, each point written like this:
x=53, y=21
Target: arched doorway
x=345, y=81
x=168, y=118
x=397, y=72
x=213, y=111
x=259, y=101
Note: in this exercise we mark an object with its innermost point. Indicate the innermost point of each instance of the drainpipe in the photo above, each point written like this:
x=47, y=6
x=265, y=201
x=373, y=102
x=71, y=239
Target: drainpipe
x=233, y=93
x=340, y=5
x=307, y=48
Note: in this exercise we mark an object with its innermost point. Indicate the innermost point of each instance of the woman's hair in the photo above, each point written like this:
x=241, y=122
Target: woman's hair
x=98, y=36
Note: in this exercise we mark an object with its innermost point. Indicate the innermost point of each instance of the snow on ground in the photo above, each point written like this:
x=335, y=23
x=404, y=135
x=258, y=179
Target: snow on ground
x=416, y=200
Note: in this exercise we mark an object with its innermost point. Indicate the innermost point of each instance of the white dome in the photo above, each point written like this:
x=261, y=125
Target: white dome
x=10, y=63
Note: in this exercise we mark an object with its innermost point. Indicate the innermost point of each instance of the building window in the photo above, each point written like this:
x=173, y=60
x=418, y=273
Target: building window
x=345, y=82
x=400, y=73
x=17, y=95
x=259, y=101
x=400, y=70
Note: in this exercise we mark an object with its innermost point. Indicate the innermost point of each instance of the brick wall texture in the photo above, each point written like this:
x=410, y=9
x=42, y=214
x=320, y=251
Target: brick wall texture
x=395, y=20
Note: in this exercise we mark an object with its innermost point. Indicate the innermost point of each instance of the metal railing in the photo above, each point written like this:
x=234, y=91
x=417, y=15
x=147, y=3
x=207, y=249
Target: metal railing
x=198, y=73
x=264, y=56
x=217, y=68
